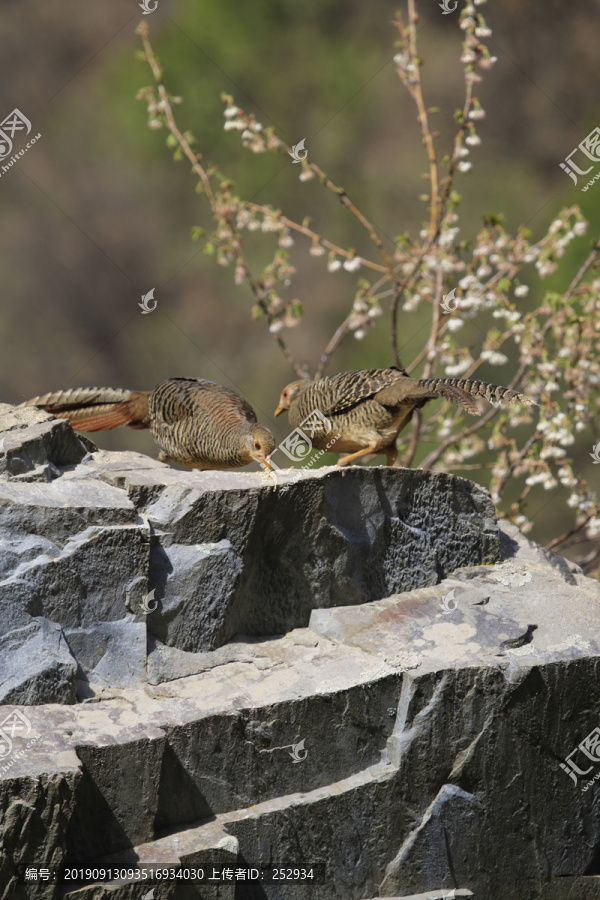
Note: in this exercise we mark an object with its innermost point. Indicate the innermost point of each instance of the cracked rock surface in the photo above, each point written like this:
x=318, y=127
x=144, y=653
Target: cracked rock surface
x=410, y=743
x=141, y=572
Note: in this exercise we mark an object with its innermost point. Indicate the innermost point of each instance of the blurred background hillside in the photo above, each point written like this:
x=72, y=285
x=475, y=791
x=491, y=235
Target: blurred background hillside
x=98, y=213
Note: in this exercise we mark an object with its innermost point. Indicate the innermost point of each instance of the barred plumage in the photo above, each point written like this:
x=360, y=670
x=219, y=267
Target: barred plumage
x=194, y=422
x=368, y=408
x=494, y=393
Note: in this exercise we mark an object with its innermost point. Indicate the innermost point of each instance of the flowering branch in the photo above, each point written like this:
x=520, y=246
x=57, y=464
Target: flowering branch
x=555, y=346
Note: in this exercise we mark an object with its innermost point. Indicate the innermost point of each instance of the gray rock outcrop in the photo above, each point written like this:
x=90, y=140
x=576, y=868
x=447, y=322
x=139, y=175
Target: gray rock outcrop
x=436, y=741
x=85, y=537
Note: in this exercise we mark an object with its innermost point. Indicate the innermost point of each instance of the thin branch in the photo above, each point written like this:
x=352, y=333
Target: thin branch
x=339, y=251
x=417, y=93
x=557, y=541
x=167, y=112
x=582, y=271
x=338, y=336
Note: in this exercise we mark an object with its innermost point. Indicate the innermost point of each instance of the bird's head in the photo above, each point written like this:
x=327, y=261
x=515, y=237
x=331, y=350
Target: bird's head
x=289, y=394
x=261, y=444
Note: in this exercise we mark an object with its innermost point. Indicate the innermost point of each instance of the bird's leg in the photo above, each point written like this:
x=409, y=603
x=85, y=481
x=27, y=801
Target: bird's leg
x=346, y=460
x=391, y=455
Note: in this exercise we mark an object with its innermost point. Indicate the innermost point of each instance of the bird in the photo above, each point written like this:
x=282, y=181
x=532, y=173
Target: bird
x=195, y=422
x=365, y=410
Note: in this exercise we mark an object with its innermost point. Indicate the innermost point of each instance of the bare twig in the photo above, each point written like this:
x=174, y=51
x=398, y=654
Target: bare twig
x=167, y=111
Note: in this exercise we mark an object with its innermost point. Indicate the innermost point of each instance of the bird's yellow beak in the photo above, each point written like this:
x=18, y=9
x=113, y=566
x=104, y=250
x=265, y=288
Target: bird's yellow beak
x=264, y=461
x=279, y=410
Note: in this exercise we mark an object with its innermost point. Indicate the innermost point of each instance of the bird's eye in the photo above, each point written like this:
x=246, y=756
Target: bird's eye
x=285, y=393
x=257, y=445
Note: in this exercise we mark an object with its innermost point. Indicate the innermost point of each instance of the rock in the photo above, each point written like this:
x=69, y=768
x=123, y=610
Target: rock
x=197, y=590
x=391, y=742
x=33, y=444
x=423, y=726
x=36, y=665
x=336, y=537
x=113, y=654
x=439, y=827
x=218, y=554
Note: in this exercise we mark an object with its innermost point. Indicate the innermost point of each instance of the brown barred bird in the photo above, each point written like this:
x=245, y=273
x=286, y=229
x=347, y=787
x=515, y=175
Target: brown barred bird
x=195, y=422
x=368, y=408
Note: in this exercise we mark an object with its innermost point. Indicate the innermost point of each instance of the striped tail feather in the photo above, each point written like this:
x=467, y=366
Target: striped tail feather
x=468, y=388
x=96, y=409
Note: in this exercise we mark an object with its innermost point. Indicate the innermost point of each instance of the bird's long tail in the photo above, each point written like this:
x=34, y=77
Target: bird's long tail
x=96, y=409
x=462, y=390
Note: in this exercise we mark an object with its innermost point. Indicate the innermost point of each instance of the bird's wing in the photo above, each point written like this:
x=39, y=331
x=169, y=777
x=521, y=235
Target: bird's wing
x=346, y=389
x=179, y=398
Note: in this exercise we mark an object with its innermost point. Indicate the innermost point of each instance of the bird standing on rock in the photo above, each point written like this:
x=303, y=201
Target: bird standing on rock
x=368, y=408
x=195, y=422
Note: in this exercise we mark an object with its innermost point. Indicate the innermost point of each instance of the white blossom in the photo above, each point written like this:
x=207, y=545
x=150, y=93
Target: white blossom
x=353, y=265
x=459, y=369
x=593, y=527
x=270, y=224
x=494, y=357
x=538, y=478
